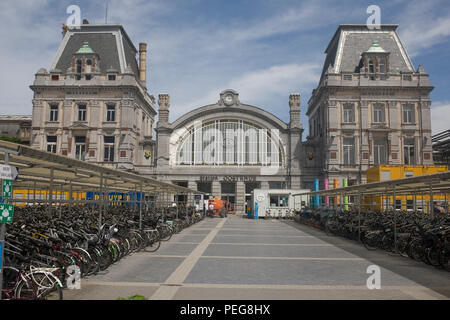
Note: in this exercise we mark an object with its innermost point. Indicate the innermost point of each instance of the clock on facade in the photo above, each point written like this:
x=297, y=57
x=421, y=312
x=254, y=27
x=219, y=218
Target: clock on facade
x=228, y=99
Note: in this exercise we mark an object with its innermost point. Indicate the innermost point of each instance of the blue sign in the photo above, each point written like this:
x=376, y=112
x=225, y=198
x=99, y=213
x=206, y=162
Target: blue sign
x=256, y=210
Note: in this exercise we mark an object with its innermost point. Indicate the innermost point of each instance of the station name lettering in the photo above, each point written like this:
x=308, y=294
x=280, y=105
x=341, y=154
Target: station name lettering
x=228, y=178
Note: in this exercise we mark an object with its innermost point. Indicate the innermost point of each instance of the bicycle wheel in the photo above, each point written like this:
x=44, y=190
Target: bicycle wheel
x=444, y=260
x=40, y=286
x=433, y=256
x=165, y=232
x=155, y=243
x=369, y=243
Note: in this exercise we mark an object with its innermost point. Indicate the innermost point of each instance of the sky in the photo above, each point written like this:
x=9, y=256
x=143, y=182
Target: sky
x=263, y=49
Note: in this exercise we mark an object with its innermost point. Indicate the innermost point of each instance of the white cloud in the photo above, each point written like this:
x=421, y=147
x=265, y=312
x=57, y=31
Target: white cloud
x=424, y=24
x=267, y=88
x=440, y=116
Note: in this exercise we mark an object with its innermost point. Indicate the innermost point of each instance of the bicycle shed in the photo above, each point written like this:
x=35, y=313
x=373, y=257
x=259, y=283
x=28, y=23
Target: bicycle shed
x=429, y=185
x=59, y=174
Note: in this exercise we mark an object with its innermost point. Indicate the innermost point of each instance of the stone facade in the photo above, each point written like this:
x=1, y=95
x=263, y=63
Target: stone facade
x=93, y=104
x=228, y=148
x=370, y=107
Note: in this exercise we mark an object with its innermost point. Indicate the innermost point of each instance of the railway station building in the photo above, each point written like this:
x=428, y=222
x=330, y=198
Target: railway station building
x=371, y=107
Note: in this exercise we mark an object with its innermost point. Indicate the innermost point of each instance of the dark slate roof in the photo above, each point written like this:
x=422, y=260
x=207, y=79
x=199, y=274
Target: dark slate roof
x=358, y=39
x=102, y=43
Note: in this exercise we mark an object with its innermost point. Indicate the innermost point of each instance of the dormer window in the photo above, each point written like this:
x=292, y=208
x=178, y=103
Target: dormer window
x=85, y=61
x=382, y=65
x=376, y=62
x=111, y=77
x=89, y=66
x=371, y=66
x=79, y=66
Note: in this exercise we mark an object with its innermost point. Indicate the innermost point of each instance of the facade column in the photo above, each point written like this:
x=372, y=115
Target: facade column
x=240, y=197
x=190, y=197
x=216, y=189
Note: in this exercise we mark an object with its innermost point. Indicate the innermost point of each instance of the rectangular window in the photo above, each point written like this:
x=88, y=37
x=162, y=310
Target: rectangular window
x=379, y=152
x=378, y=114
x=51, y=144
x=398, y=204
x=371, y=66
x=409, y=151
x=382, y=65
x=54, y=113
x=407, y=78
x=88, y=77
x=409, y=204
x=111, y=77
x=348, y=77
x=408, y=114
x=205, y=187
x=278, y=200
x=55, y=77
x=349, y=113
x=80, y=148
x=228, y=188
x=349, y=151
x=277, y=185
x=110, y=113
x=82, y=113
x=109, y=149
x=385, y=175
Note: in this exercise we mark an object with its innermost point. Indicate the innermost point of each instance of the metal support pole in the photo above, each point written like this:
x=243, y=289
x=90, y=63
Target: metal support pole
x=359, y=217
x=140, y=209
x=60, y=200
x=100, y=202
x=415, y=200
x=395, y=222
x=446, y=203
x=34, y=193
x=50, y=193
x=431, y=199
x=70, y=196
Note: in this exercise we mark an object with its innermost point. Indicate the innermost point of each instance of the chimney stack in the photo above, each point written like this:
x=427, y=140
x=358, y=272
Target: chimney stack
x=143, y=63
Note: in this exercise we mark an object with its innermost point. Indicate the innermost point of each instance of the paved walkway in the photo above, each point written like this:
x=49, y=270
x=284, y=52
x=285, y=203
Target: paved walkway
x=236, y=258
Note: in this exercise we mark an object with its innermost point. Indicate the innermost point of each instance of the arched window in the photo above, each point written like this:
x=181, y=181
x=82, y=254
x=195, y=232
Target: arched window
x=230, y=142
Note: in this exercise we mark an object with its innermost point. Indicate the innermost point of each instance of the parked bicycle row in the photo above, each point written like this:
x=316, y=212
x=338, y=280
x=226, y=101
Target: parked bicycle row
x=45, y=253
x=420, y=236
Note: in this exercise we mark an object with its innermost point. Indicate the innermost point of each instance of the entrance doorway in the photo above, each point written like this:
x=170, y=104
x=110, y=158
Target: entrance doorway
x=230, y=202
x=228, y=194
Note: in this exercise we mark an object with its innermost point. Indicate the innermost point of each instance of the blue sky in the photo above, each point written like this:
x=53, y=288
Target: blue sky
x=263, y=49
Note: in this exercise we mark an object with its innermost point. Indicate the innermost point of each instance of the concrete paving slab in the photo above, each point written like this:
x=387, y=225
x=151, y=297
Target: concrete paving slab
x=287, y=272
x=243, y=250
x=140, y=268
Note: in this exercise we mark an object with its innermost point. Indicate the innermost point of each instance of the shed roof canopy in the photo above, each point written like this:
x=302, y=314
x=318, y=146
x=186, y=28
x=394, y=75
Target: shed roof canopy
x=45, y=168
